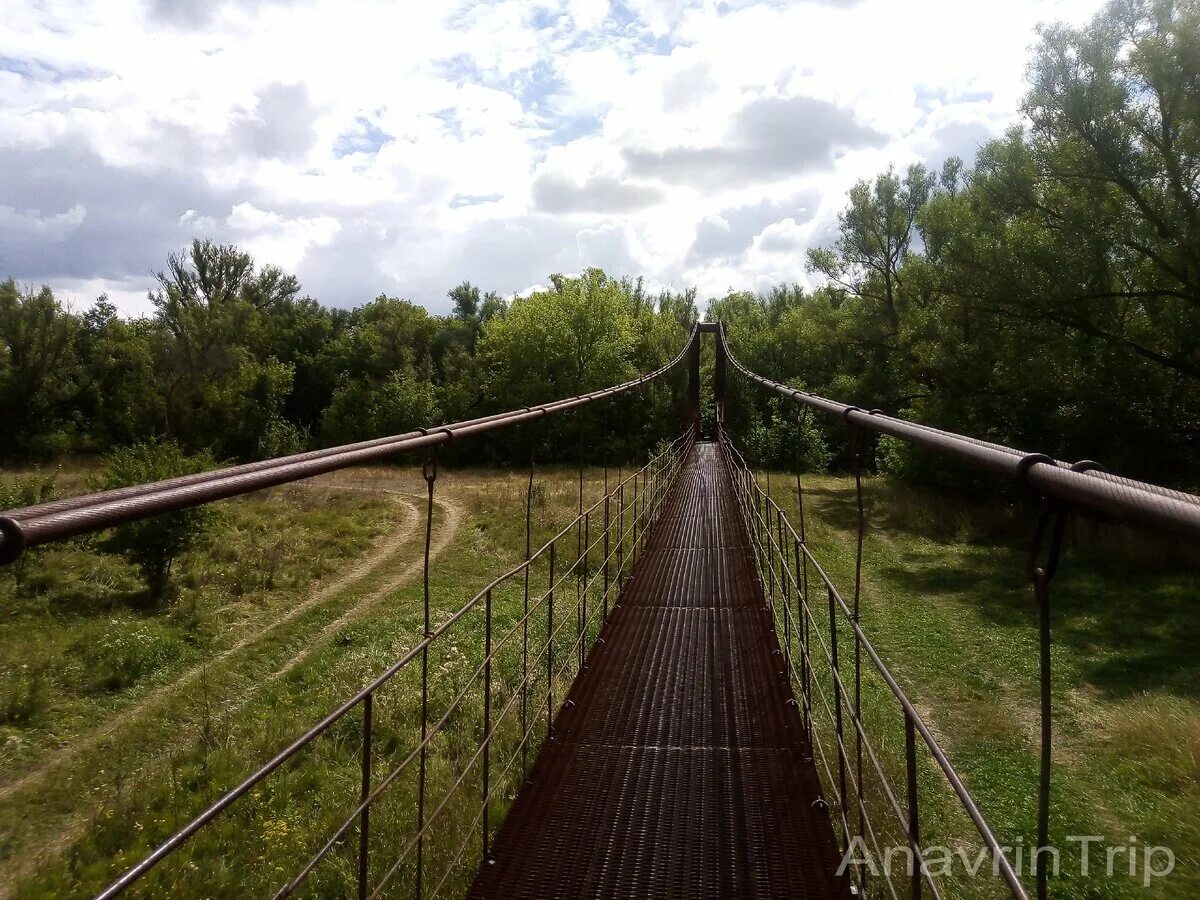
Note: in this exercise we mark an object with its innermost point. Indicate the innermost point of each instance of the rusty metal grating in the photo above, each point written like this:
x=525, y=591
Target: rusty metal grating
x=679, y=765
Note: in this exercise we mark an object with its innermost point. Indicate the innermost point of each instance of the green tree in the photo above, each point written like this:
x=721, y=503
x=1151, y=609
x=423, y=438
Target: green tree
x=221, y=390
x=468, y=312
x=120, y=402
x=575, y=337
x=40, y=373
x=1114, y=117
x=362, y=409
x=876, y=232
x=154, y=544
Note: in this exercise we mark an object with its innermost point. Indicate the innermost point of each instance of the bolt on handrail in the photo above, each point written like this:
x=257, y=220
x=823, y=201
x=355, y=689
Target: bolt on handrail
x=1084, y=484
x=56, y=520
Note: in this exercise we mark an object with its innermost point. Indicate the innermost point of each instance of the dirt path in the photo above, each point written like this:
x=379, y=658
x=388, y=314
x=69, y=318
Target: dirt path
x=446, y=527
x=445, y=531
x=384, y=548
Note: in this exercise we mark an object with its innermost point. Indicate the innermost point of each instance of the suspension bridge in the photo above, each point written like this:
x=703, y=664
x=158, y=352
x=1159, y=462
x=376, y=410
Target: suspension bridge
x=663, y=699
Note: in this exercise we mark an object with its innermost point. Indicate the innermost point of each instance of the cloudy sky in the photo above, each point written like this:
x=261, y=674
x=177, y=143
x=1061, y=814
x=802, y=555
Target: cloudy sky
x=404, y=146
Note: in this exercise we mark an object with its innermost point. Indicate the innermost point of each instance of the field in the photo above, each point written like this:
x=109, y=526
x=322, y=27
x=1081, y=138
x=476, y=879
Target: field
x=947, y=603
x=118, y=722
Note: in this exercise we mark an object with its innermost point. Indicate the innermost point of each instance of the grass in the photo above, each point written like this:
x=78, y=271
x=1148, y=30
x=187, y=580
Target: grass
x=206, y=716
x=120, y=725
x=78, y=643
x=947, y=603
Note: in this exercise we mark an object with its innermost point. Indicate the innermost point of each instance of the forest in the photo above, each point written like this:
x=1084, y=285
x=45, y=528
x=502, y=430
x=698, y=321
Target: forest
x=1046, y=296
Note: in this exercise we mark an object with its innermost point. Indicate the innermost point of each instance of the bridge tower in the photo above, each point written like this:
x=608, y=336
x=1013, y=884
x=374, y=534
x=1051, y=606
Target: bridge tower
x=716, y=329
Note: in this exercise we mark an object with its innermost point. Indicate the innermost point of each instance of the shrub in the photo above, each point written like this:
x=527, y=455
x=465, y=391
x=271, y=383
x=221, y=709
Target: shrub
x=25, y=490
x=127, y=652
x=280, y=438
x=539, y=494
x=786, y=438
x=365, y=409
x=896, y=457
x=154, y=544
x=23, y=694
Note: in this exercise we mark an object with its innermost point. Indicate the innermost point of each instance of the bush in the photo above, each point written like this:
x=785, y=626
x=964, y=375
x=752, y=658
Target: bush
x=365, y=409
x=280, y=438
x=786, y=438
x=539, y=494
x=154, y=544
x=26, y=490
x=127, y=652
x=23, y=694
x=896, y=457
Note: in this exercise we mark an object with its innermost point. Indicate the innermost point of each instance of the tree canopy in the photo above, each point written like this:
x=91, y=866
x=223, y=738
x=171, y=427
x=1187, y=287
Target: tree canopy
x=236, y=362
x=1046, y=296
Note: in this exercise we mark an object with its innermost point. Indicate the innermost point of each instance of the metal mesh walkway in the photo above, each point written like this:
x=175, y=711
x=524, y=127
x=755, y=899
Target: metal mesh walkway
x=679, y=767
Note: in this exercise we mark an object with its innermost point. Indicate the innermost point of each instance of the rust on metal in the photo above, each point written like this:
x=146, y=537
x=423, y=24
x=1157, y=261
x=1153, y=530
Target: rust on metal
x=679, y=764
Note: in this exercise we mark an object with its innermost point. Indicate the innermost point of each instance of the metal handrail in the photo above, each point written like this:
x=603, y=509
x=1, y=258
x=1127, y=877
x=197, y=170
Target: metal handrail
x=668, y=457
x=1082, y=484
x=56, y=520
x=1004, y=866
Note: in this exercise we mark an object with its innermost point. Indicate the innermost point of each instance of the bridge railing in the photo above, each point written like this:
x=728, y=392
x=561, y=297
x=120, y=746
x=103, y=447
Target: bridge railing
x=814, y=661
x=832, y=687
x=428, y=754
x=504, y=662
x=43, y=523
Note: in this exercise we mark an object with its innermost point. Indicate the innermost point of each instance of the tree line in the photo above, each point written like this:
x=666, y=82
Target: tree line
x=236, y=361
x=235, y=365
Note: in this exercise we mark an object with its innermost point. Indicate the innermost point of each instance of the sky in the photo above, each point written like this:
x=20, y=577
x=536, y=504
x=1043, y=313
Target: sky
x=402, y=147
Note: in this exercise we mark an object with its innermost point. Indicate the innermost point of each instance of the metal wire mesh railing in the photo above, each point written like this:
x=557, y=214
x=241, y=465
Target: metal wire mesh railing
x=418, y=767
x=434, y=747
x=786, y=566
x=476, y=691
x=830, y=691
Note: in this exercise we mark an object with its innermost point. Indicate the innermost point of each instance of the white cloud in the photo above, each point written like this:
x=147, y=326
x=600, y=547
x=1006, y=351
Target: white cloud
x=613, y=247
x=52, y=228
x=588, y=13
x=400, y=147
x=782, y=237
x=192, y=220
x=273, y=238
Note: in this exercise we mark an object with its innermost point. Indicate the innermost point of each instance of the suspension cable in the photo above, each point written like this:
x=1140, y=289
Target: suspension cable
x=1090, y=488
x=43, y=523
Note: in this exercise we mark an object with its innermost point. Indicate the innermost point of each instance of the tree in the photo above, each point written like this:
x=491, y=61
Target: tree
x=221, y=389
x=39, y=370
x=876, y=232
x=363, y=409
x=119, y=402
x=467, y=312
x=1115, y=117
x=493, y=307
x=1110, y=174
x=570, y=339
x=154, y=544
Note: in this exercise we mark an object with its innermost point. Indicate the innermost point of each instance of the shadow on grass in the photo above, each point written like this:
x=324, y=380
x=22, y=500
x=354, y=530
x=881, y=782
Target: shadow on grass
x=1123, y=604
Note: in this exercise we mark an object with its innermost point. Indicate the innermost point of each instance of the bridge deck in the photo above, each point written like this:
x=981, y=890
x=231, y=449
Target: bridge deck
x=679, y=768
